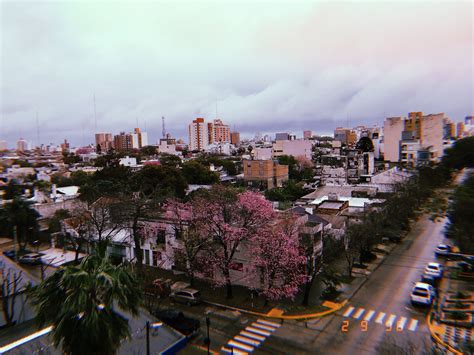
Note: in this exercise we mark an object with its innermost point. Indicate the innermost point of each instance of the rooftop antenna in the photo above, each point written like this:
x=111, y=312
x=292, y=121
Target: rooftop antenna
x=95, y=114
x=163, y=131
x=145, y=126
x=136, y=121
x=37, y=130
x=216, y=109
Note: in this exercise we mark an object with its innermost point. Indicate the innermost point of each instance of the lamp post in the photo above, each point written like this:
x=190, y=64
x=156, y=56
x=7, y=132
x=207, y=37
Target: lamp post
x=207, y=341
x=149, y=325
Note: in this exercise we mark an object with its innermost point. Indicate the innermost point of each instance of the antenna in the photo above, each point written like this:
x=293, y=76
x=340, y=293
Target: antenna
x=37, y=130
x=163, y=131
x=136, y=121
x=95, y=115
x=216, y=109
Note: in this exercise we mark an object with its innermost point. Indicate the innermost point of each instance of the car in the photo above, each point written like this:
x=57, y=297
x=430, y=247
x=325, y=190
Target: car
x=442, y=250
x=30, y=259
x=178, y=321
x=434, y=269
x=422, y=294
x=187, y=296
x=430, y=280
x=9, y=253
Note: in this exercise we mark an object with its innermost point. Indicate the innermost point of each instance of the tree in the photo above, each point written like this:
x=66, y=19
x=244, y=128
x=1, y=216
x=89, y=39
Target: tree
x=365, y=145
x=197, y=173
x=71, y=158
x=10, y=281
x=148, y=150
x=229, y=218
x=170, y=160
x=186, y=229
x=54, y=225
x=352, y=244
x=279, y=259
x=79, y=302
x=460, y=155
x=21, y=218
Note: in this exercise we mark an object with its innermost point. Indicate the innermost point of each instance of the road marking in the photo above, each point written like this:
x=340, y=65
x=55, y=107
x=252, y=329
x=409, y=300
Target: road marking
x=401, y=323
x=233, y=351
x=380, y=318
x=390, y=320
x=264, y=327
x=271, y=324
x=348, y=311
x=413, y=325
x=252, y=335
x=369, y=316
x=247, y=341
x=240, y=346
x=359, y=312
x=257, y=331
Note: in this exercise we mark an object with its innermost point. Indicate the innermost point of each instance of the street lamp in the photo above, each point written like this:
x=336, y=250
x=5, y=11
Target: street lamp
x=207, y=341
x=149, y=325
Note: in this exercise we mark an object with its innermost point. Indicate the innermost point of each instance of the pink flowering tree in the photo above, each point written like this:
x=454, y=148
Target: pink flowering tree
x=186, y=229
x=279, y=259
x=228, y=219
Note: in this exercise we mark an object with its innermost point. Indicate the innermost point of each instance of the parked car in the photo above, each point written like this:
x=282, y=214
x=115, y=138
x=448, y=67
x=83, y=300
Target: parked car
x=430, y=280
x=9, y=253
x=434, y=269
x=178, y=321
x=422, y=294
x=30, y=259
x=187, y=296
x=442, y=250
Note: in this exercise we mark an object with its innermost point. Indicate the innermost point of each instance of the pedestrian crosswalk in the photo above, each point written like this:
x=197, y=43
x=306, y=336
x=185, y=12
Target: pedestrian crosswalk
x=388, y=320
x=250, y=338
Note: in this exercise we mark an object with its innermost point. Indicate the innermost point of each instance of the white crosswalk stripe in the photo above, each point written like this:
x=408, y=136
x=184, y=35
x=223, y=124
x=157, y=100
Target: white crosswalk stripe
x=359, y=312
x=251, y=337
x=348, y=311
x=390, y=320
x=380, y=318
x=401, y=323
x=413, y=325
x=369, y=316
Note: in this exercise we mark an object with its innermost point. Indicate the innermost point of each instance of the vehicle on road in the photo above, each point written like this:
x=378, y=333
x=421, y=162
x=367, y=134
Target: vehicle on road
x=422, y=294
x=187, y=296
x=442, y=250
x=178, y=321
x=30, y=259
x=9, y=253
x=430, y=280
x=434, y=269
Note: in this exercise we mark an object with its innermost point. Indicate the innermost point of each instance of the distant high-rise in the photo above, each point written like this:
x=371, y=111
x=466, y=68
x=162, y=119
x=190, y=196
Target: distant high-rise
x=65, y=146
x=307, y=134
x=142, y=138
x=218, y=132
x=21, y=145
x=282, y=136
x=3, y=145
x=104, y=141
x=198, y=135
x=235, y=138
x=126, y=141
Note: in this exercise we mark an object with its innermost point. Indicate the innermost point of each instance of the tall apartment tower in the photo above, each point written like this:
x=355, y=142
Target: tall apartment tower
x=235, y=138
x=218, y=132
x=198, y=134
x=105, y=141
x=21, y=145
x=126, y=141
x=142, y=137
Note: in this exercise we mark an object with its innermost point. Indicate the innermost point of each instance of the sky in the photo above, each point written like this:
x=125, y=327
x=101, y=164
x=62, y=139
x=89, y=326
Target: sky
x=260, y=66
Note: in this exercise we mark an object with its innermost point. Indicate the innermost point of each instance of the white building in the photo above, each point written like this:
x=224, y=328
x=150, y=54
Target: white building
x=198, y=135
x=299, y=147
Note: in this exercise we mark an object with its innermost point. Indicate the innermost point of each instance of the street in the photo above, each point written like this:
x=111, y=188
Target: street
x=379, y=316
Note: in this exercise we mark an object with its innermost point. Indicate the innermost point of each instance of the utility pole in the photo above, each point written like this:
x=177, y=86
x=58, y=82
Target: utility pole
x=163, y=131
x=15, y=231
x=95, y=116
x=37, y=131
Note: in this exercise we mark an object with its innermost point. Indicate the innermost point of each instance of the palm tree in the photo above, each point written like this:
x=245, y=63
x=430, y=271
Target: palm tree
x=78, y=301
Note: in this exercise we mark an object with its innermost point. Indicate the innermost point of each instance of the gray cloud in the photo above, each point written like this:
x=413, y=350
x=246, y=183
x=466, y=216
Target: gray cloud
x=285, y=67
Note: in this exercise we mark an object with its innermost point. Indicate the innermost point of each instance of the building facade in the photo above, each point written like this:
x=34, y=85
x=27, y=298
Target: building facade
x=104, y=141
x=218, y=132
x=265, y=173
x=198, y=135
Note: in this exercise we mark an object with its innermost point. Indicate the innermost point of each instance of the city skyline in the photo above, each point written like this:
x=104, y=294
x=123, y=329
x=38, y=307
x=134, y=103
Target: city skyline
x=266, y=69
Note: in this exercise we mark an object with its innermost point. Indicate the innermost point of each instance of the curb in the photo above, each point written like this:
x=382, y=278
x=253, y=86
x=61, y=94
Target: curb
x=437, y=339
x=283, y=317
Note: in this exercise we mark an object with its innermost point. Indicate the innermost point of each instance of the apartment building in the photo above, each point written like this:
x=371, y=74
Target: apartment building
x=265, y=173
x=198, y=135
x=104, y=141
x=296, y=148
x=218, y=132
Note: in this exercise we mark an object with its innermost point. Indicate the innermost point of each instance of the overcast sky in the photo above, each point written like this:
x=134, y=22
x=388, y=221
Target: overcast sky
x=270, y=66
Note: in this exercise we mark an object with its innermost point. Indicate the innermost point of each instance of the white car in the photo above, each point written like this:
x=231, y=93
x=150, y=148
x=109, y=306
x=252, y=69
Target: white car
x=442, y=249
x=434, y=269
x=423, y=294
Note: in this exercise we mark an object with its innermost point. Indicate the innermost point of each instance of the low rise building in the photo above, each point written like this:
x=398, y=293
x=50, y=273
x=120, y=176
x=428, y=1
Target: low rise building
x=264, y=173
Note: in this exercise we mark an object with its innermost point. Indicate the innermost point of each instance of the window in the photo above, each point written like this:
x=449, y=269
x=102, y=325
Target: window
x=147, y=257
